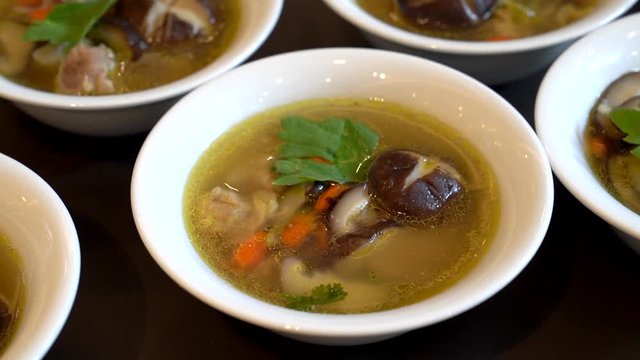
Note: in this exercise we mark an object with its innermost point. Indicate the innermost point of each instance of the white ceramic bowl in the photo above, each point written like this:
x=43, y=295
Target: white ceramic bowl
x=490, y=62
x=566, y=96
x=41, y=230
x=136, y=112
x=487, y=120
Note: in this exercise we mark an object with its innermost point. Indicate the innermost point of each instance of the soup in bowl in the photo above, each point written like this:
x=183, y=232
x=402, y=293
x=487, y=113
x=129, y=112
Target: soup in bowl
x=11, y=291
x=495, y=41
x=118, y=65
x=39, y=263
x=320, y=246
x=126, y=46
x=479, y=20
x=590, y=154
x=337, y=192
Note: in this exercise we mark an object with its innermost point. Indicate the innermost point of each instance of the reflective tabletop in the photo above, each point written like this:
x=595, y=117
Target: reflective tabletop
x=579, y=298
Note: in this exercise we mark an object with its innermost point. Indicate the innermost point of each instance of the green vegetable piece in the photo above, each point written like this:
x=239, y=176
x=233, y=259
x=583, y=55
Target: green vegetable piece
x=320, y=295
x=355, y=150
x=628, y=121
x=68, y=23
x=297, y=171
x=345, y=147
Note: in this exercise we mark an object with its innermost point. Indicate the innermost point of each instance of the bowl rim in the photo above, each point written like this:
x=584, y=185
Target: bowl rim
x=65, y=296
x=606, y=209
x=270, y=11
x=602, y=15
x=352, y=325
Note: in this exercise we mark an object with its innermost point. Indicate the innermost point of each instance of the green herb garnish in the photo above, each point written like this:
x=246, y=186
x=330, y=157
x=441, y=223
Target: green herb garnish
x=628, y=121
x=68, y=23
x=320, y=295
x=330, y=150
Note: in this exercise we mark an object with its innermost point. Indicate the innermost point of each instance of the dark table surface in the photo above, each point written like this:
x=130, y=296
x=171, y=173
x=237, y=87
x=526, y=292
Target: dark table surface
x=579, y=298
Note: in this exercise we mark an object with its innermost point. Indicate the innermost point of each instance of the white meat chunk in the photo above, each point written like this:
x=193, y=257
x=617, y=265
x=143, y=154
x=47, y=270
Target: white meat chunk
x=225, y=211
x=86, y=70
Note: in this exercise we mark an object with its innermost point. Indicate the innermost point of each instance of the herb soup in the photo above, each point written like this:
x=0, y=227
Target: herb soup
x=497, y=20
x=11, y=291
x=612, y=139
x=341, y=206
x=111, y=46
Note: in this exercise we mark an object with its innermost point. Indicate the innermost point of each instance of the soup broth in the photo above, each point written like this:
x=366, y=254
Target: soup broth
x=401, y=265
x=135, y=62
x=614, y=160
x=511, y=19
x=11, y=291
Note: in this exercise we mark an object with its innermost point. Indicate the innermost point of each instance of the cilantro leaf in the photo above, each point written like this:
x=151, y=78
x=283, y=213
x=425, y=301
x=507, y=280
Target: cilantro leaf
x=68, y=23
x=320, y=295
x=330, y=150
x=295, y=171
x=628, y=121
x=354, y=153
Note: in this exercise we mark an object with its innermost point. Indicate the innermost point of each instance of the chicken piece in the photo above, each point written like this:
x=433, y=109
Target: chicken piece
x=86, y=70
x=227, y=212
x=221, y=210
x=162, y=21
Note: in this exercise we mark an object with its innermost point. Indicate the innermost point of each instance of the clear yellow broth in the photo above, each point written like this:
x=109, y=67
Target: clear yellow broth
x=161, y=64
x=11, y=291
x=512, y=19
x=403, y=266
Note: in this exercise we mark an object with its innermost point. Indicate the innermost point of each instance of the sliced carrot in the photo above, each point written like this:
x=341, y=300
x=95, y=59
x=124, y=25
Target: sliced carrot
x=251, y=251
x=326, y=199
x=40, y=14
x=598, y=147
x=298, y=229
x=499, y=38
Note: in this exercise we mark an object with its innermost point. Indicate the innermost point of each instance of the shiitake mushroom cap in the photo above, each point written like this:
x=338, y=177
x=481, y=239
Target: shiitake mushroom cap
x=445, y=14
x=390, y=185
x=623, y=92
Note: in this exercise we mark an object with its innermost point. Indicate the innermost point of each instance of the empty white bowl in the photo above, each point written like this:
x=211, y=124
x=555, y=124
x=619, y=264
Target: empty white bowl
x=41, y=230
x=488, y=121
x=566, y=96
x=490, y=62
x=136, y=112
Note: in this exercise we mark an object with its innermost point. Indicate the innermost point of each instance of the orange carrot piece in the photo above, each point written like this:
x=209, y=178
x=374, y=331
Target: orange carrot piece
x=251, y=251
x=297, y=230
x=40, y=14
x=598, y=147
x=326, y=198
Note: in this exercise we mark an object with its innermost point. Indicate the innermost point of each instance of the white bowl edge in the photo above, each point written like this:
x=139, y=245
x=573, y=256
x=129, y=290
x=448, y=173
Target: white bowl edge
x=50, y=254
x=302, y=324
